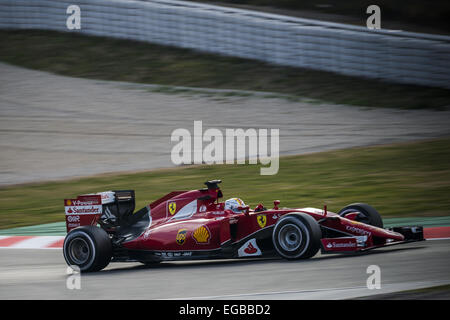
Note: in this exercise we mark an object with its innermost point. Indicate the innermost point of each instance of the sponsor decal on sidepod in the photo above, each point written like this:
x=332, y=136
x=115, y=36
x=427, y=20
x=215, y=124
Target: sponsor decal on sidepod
x=202, y=235
x=250, y=248
x=181, y=236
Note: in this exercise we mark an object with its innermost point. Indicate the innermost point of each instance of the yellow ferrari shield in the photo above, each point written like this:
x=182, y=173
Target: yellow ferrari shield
x=172, y=207
x=262, y=220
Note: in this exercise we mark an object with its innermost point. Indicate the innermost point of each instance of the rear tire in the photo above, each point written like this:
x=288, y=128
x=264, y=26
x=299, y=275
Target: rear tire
x=296, y=236
x=367, y=214
x=87, y=247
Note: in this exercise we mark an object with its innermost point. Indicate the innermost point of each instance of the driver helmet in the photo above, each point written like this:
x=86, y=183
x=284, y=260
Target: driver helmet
x=233, y=204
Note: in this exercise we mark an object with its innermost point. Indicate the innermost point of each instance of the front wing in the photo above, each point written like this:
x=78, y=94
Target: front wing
x=364, y=243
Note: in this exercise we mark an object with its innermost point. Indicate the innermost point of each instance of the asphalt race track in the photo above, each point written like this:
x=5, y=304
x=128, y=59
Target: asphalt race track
x=41, y=274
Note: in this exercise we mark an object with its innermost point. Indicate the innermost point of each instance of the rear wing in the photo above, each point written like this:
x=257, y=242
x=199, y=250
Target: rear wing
x=108, y=208
x=82, y=211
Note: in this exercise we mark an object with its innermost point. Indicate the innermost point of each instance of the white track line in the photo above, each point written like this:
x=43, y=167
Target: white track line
x=325, y=293
x=264, y=293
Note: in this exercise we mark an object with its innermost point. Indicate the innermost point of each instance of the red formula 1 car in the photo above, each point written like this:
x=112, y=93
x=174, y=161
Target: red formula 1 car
x=187, y=225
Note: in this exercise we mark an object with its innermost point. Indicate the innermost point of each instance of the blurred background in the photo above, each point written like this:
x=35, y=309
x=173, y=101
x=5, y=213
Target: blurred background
x=100, y=89
x=419, y=16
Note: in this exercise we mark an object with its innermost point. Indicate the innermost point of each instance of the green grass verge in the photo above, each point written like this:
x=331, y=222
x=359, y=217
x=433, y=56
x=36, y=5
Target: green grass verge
x=409, y=179
x=121, y=60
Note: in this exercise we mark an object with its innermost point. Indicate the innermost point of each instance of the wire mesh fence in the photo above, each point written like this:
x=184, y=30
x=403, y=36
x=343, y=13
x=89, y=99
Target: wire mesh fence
x=402, y=57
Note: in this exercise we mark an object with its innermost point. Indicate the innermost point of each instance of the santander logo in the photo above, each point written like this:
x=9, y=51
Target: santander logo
x=85, y=210
x=250, y=249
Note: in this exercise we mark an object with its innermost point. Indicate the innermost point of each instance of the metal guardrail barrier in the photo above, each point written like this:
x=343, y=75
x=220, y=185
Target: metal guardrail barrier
x=402, y=57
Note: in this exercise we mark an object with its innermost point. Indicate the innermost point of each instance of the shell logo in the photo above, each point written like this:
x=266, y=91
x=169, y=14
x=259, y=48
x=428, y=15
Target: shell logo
x=202, y=235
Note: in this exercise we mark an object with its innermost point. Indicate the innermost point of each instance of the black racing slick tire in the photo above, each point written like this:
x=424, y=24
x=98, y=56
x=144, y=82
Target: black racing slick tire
x=296, y=236
x=366, y=214
x=87, y=247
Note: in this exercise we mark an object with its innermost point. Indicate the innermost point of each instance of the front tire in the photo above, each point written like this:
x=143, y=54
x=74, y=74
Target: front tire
x=87, y=247
x=366, y=214
x=296, y=236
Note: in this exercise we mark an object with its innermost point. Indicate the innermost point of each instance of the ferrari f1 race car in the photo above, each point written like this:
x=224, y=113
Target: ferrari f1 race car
x=187, y=225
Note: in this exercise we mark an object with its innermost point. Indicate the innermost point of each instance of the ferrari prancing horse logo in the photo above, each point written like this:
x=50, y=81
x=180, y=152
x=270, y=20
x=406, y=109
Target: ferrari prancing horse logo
x=262, y=220
x=172, y=207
